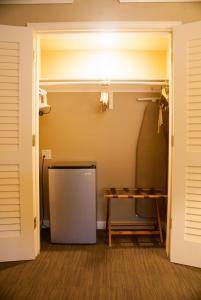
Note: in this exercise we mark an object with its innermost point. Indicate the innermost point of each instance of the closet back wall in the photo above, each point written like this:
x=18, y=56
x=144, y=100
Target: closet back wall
x=76, y=131
x=104, y=64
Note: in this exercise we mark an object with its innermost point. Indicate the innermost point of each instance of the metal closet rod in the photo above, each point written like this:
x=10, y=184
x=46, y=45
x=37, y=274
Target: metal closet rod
x=105, y=82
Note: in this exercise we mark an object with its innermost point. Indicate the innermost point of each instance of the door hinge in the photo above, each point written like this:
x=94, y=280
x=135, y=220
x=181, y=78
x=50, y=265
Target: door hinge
x=170, y=223
x=35, y=223
x=172, y=140
x=33, y=140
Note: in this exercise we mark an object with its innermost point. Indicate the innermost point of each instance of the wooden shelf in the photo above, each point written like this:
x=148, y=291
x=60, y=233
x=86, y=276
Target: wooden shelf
x=144, y=86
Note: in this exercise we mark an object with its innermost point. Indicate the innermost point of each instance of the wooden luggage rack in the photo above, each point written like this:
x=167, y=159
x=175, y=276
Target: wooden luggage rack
x=129, y=193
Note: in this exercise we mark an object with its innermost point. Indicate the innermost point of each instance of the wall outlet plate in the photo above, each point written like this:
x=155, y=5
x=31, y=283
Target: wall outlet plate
x=47, y=154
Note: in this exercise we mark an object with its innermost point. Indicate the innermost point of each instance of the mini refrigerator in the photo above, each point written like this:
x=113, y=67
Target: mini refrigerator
x=72, y=201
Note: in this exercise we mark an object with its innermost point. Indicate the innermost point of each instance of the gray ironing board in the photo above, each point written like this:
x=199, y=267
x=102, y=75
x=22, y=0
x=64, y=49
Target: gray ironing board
x=151, y=158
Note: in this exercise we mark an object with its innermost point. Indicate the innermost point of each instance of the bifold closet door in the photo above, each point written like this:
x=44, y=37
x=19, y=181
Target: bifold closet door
x=16, y=168
x=186, y=173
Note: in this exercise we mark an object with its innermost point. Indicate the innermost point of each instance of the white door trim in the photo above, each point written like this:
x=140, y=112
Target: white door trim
x=106, y=26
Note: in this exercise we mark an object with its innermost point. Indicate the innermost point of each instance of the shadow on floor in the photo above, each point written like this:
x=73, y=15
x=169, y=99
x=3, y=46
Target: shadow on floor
x=117, y=241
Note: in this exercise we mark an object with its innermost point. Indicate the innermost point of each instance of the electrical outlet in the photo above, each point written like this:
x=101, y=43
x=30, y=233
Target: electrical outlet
x=47, y=154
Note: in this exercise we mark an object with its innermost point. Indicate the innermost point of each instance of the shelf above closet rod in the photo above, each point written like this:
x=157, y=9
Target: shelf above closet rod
x=146, y=86
x=104, y=82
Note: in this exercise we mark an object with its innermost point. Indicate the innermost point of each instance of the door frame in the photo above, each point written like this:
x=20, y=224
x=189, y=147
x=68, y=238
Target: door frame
x=156, y=27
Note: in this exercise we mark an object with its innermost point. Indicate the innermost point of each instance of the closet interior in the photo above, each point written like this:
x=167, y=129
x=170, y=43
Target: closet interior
x=104, y=97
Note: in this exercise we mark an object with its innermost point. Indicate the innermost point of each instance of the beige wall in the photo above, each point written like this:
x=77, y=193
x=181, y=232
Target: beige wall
x=76, y=131
x=94, y=64
x=100, y=10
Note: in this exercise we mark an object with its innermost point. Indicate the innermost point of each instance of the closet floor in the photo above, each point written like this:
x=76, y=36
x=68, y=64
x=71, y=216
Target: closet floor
x=133, y=268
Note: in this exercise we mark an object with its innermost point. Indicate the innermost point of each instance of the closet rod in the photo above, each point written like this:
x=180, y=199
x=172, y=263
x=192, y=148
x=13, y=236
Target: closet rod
x=153, y=99
x=102, y=82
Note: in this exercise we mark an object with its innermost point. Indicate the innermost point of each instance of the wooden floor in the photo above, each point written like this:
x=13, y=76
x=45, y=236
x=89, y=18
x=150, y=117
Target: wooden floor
x=134, y=268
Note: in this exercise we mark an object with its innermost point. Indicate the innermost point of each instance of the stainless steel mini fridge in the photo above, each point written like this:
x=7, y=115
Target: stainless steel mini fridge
x=72, y=201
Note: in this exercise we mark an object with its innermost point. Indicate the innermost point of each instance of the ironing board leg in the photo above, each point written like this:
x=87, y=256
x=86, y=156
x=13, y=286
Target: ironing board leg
x=159, y=221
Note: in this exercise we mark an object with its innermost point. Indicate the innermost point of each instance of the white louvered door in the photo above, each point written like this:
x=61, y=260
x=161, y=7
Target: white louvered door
x=186, y=181
x=16, y=165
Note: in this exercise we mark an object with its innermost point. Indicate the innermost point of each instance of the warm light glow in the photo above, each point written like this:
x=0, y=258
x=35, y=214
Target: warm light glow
x=104, y=65
x=149, y=41
x=106, y=40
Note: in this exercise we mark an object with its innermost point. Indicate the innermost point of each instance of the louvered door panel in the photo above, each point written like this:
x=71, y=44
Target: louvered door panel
x=9, y=96
x=9, y=139
x=193, y=204
x=8, y=73
x=9, y=86
x=9, y=200
x=194, y=95
x=192, y=231
x=8, y=79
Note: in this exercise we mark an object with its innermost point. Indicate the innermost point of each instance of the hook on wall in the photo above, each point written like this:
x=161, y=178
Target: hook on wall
x=106, y=98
